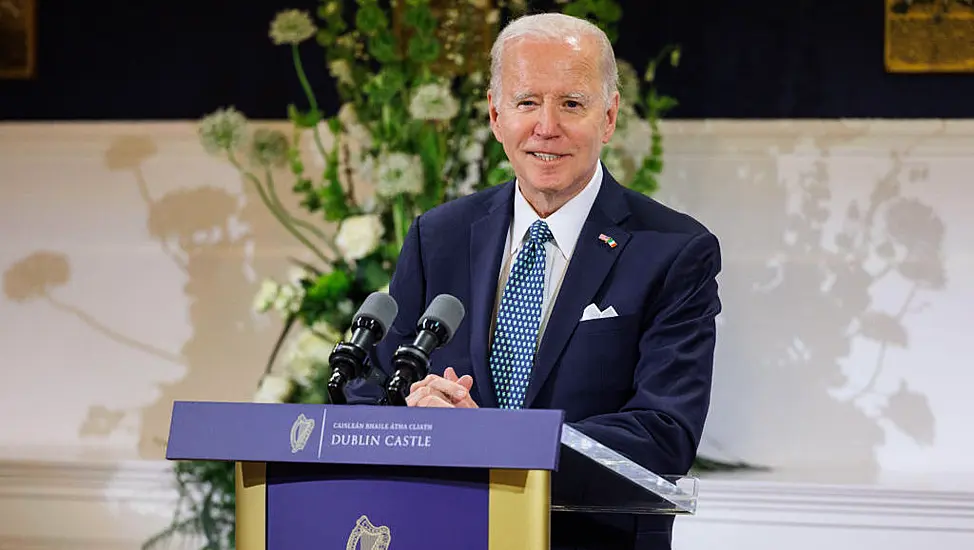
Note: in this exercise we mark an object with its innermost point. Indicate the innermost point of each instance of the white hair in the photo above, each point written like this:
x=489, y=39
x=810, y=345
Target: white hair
x=555, y=26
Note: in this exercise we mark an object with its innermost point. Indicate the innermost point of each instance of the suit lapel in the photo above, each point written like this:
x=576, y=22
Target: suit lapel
x=487, y=238
x=590, y=264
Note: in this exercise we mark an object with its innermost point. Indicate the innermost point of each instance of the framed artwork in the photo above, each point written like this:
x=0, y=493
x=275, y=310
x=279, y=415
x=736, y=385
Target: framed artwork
x=18, y=38
x=927, y=36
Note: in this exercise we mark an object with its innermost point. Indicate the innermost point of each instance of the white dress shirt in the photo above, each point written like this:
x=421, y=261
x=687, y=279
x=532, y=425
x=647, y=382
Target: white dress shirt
x=565, y=225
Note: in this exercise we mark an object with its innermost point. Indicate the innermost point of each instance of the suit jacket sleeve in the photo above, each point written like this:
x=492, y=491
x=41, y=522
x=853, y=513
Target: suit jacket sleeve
x=661, y=425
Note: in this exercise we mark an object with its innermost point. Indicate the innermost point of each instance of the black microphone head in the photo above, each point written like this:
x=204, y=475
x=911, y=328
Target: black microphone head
x=446, y=310
x=382, y=308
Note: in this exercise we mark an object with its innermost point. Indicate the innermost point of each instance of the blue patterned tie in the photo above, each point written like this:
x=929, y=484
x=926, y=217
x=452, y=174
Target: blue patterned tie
x=518, y=319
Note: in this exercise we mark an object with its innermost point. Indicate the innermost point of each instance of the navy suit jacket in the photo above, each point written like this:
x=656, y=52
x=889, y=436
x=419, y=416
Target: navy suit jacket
x=638, y=383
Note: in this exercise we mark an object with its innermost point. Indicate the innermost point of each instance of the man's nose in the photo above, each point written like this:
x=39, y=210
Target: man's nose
x=549, y=121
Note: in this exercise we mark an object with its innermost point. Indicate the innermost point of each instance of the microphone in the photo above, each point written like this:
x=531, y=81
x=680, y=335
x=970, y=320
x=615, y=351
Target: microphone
x=369, y=326
x=411, y=361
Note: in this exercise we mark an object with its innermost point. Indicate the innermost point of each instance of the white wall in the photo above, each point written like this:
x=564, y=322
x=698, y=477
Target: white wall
x=130, y=258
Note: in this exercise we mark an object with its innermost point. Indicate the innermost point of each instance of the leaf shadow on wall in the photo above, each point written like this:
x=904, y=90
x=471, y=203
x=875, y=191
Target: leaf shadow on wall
x=800, y=286
x=208, y=233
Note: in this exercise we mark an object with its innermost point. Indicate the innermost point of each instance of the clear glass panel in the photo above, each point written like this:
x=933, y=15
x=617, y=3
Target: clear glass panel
x=622, y=485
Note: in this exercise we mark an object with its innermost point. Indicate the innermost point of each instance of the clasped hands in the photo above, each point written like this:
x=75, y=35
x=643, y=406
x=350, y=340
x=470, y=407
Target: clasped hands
x=449, y=391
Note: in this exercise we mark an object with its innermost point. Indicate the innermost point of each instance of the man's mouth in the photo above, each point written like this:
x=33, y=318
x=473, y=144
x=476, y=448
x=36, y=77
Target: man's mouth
x=547, y=157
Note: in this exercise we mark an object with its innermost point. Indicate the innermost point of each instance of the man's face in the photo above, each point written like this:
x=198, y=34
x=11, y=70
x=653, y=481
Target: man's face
x=551, y=117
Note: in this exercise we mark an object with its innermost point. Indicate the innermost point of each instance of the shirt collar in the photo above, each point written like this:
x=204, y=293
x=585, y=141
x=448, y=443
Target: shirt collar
x=565, y=223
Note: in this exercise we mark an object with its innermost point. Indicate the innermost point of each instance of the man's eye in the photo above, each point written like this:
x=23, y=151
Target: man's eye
x=525, y=102
x=572, y=104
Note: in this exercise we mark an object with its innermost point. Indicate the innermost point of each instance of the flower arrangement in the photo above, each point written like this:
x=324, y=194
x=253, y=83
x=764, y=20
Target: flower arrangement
x=412, y=132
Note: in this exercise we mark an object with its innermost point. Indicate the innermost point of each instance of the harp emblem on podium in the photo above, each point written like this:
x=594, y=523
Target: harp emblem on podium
x=366, y=536
x=300, y=432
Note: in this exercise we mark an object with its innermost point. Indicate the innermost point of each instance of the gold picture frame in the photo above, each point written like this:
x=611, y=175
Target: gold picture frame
x=18, y=39
x=928, y=36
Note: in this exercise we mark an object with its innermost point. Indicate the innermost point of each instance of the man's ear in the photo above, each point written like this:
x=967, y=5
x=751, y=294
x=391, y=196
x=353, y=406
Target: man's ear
x=492, y=111
x=611, y=117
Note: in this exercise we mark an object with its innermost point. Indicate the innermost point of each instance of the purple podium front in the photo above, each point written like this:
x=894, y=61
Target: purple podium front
x=390, y=478
x=376, y=478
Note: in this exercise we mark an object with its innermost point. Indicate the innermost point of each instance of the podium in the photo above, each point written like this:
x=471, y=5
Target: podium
x=383, y=478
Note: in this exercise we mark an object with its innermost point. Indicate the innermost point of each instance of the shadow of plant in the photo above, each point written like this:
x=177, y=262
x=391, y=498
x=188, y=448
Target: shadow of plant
x=807, y=279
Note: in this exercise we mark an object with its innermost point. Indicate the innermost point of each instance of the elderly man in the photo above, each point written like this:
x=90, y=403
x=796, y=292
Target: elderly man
x=620, y=292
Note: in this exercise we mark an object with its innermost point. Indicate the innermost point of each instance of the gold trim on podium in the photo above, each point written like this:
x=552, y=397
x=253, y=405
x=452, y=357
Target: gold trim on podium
x=520, y=503
x=251, y=505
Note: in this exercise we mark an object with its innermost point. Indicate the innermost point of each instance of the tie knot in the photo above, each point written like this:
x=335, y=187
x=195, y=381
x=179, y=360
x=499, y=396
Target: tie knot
x=539, y=232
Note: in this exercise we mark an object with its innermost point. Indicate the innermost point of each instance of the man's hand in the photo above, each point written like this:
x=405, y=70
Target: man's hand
x=448, y=391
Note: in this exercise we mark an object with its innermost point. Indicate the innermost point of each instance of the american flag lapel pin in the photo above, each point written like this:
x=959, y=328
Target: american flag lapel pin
x=607, y=240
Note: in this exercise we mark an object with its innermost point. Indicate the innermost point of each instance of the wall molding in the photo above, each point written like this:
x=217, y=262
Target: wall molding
x=134, y=499
x=809, y=504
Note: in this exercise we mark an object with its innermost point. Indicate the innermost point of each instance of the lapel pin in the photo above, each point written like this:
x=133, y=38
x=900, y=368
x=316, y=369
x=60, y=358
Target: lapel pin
x=607, y=240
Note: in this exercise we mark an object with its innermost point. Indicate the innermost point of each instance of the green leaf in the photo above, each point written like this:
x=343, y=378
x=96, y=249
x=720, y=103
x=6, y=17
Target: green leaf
x=332, y=198
x=662, y=104
x=382, y=46
x=326, y=38
x=303, y=185
x=428, y=148
x=675, y=57
x=294, y=161
x=420, y=18
x=607, y=10
x=385, y=85
x=372, y=274
x=303, y=119
x=424, y=49
x=330, y=287
x=370, y=19
x=650, y=74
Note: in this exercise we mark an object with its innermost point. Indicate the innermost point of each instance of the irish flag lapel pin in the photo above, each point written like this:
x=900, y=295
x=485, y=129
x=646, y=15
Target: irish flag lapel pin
x=607, y=240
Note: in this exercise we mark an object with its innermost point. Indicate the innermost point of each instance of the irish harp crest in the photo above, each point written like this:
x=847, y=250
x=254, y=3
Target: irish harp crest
x=300, y=432
x=366, y=536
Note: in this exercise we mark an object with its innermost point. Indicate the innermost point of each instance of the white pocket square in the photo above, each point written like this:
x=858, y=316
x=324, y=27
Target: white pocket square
x=591, y=311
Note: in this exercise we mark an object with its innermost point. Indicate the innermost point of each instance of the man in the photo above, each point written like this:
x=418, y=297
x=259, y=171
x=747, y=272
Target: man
x=633, y=369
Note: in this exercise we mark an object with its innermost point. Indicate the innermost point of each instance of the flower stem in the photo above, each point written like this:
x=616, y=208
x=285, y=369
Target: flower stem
x=309, y=93
x=270, y=206
x=299, y=67
x=288, y=323
x=272, y=194
x=398, y=218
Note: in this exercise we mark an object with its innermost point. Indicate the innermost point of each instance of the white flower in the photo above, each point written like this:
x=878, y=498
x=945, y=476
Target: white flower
x=298, y=273
x=359, y=236
x=473, y=152
x=266, y=296
x=341, y=71
x=628, y=82
x=268, y=147
x=273, y=389
x=310, y=352
x=399, y=173
x=353, y=128
x=292, y=27
x=288, y=299
x=356, y=140
x=433, y=102
x=634, y=139
x=223, y=130
x=481, y=133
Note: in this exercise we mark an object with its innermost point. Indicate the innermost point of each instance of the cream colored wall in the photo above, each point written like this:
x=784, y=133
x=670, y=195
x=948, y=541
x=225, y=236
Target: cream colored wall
x=130, y=258
x=129, y=262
